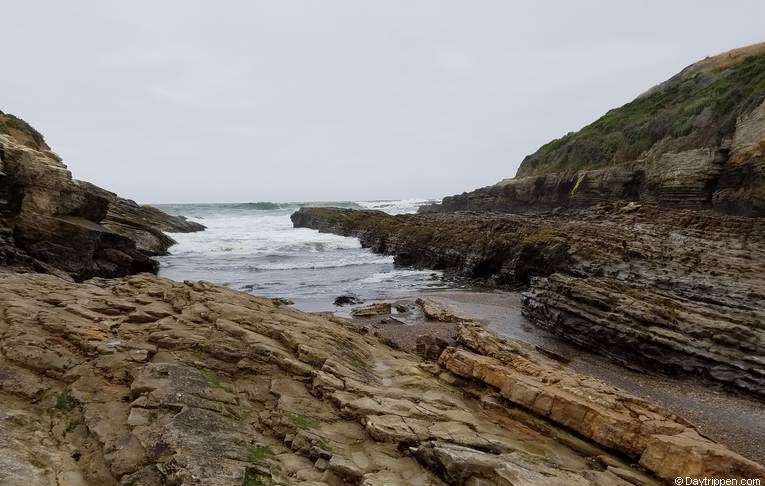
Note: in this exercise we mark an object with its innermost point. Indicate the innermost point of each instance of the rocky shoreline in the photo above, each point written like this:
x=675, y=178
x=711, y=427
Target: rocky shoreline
x=112, y=376
x=53, y=223
x=649, y=287
x=724, y=417
x=146, y=381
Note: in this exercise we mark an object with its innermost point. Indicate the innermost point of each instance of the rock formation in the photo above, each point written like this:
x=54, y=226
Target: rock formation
x=52, y=223
x=694, y=141
x=651, y=288
x=144, y=381
x=141, y=223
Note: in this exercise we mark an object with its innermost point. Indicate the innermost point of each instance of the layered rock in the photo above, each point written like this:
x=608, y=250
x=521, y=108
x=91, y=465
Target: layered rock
x=143, y=224
x=50, y=222
x=145, y=381
x=695, y=141
x=500, y=249
x=674, y=290
x=663, y=442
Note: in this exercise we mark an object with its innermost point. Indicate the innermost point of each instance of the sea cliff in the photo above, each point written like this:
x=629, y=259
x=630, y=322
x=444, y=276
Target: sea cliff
x=53, y=223
x=694, y=141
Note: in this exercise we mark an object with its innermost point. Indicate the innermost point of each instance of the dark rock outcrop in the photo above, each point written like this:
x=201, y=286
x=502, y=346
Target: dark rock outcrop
x=504, y=250
x=695, y=141
x=681, y=291
x=141, y=223
x=52, y=223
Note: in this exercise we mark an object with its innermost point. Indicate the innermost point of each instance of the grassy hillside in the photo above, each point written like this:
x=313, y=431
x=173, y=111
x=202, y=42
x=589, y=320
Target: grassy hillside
x=696, y=108
x=22, y=131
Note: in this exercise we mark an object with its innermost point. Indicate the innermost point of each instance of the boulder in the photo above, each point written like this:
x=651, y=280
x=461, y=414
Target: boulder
x=348, y=299
x=379, y=309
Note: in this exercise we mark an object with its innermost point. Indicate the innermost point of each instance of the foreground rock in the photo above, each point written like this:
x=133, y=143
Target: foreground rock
x=675, y=290
x=145, y=381
x=663, y=442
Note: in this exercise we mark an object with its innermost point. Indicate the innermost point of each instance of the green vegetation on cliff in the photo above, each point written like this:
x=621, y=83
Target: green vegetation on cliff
x=696, y=108
x=22, y=131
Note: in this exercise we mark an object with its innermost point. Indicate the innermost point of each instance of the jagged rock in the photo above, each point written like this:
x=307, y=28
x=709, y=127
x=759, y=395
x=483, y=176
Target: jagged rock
x=463, y=465
x=437, y=312
x=282, y=301
x=50, y=218
x=501, y=249
x=142, y=223
x=348, y=299
x=430, y=347
x=52, y=223
x=688, y=454
x=665, y=443
x=214, y=386
x=654, y=288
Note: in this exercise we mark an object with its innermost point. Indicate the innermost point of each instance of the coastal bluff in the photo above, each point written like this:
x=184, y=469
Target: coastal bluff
x=50, y=222
x=695, y=141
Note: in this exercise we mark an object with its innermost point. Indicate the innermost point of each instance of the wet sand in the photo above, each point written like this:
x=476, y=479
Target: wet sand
x=736, y=421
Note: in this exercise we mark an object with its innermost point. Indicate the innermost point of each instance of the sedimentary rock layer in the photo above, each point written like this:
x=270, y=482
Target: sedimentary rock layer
x=50, y=222
x=141, y=223
x=677, y=290
x=607, y=415
x=695, y=141
x=144, y=381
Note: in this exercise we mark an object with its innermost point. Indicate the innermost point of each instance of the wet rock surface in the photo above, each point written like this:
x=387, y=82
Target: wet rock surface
x=680, y=291
x=143, y=224
x=664, y=442
x=145, y=381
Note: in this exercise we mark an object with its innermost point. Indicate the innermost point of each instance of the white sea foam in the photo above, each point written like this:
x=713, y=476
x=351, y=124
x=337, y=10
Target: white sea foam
x=254, y=247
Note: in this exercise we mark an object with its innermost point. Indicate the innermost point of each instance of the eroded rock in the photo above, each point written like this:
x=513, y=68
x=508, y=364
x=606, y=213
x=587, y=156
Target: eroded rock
x=221, y=387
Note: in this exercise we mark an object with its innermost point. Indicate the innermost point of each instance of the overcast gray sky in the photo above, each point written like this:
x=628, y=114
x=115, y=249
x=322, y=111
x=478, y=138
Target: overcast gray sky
x=184, y=101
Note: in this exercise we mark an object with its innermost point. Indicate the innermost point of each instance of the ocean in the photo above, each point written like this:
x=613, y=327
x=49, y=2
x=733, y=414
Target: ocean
x=253, y=247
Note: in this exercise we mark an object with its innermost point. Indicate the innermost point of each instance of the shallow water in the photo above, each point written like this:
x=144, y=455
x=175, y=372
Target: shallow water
x=253, y=247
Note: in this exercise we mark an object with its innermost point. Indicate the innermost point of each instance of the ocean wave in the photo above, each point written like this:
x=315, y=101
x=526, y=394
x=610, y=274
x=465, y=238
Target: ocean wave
x=287, y=266
x=273, y=206
x=254, y=246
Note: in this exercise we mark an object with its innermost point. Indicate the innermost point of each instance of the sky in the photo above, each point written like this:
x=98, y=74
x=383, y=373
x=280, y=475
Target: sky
x=238, y=101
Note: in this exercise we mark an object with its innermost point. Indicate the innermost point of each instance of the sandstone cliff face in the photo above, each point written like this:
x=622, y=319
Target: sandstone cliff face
x=695, y=141
x=680, y=291
x=143, y=381
x=53, y=223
